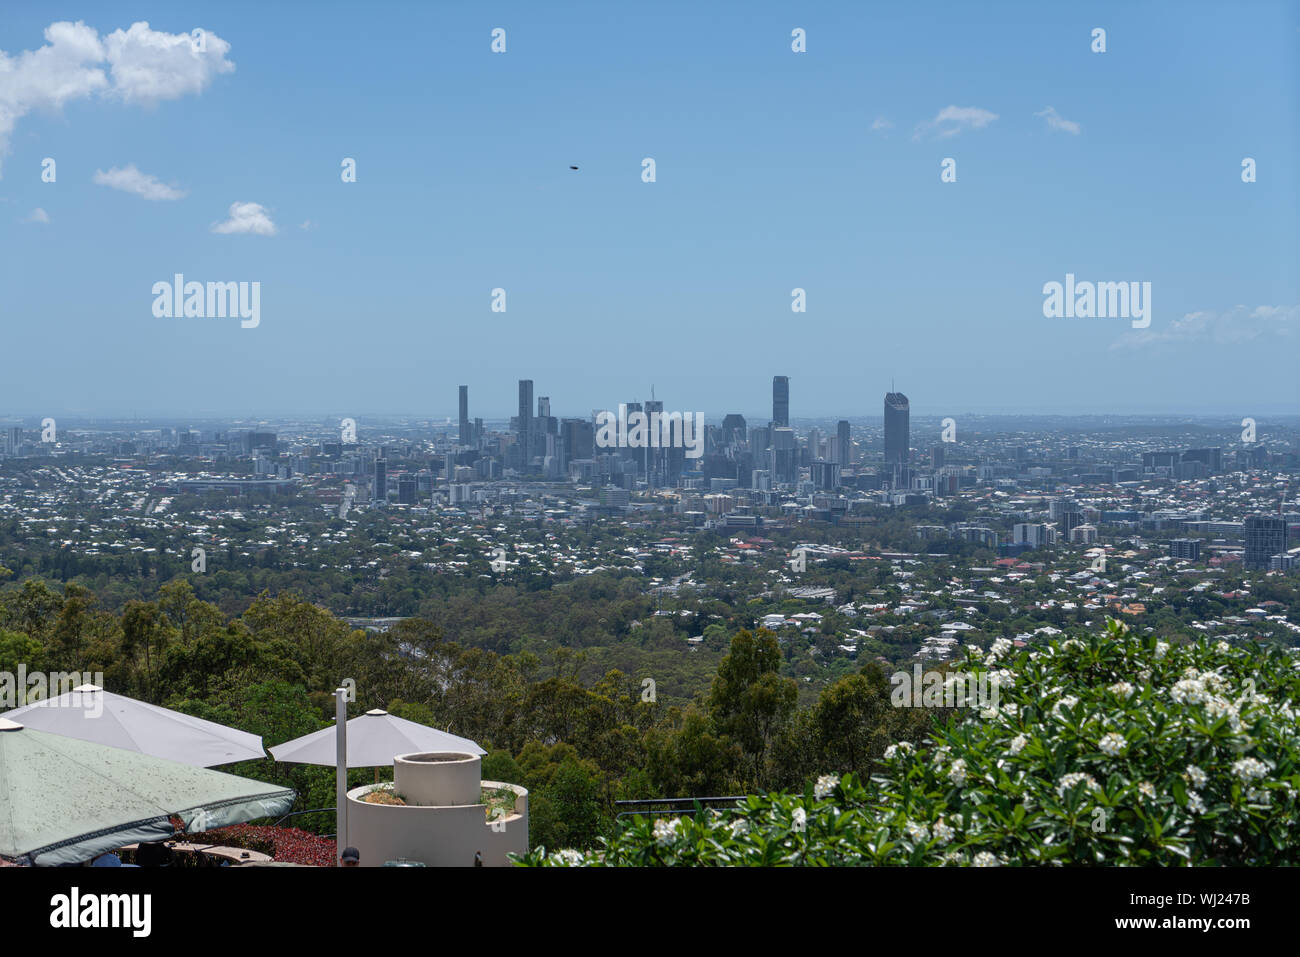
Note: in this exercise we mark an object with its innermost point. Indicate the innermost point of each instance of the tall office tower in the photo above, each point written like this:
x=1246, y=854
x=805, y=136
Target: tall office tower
x=815, y=440
x=844, y=443
x=780, y=401
x=543, y=406
x=733, y=429
x=785, y=456
x=1265, y=537
x=937, y=456
x=477, y=435
x=897, y=428
x=526, y=421
x=464, y=416
x=579, y=438
x=381, y=480
x=653, y=459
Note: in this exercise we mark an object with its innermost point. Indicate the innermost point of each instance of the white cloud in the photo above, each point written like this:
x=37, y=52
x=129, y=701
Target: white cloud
x=143, y=66
x=1057, y=122
x=147, y=65
x=37, y=215
x=954, y=119
x=1235, y=325
x=881, y=123
x=246, y=218
x=130, y=180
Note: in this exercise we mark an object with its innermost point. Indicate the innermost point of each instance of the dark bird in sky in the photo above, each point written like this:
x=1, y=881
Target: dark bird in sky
x=573, y=167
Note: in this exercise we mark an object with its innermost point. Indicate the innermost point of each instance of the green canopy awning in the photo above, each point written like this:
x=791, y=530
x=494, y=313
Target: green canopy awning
x=63, y=800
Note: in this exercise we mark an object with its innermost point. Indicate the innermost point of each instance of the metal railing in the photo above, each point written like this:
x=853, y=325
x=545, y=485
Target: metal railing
x=683, y=805
x=316, y=810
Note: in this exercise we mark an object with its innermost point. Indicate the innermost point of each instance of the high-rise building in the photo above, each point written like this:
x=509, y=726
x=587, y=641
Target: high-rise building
x=526, y=421
x=733, y=429
x=381, y=480
x=406, y=485
x=844, y=444
x=464, y=416
x=785, y=456
x=780, y=401
x=1188, y=548
x=898, y=433
x=1265, y=537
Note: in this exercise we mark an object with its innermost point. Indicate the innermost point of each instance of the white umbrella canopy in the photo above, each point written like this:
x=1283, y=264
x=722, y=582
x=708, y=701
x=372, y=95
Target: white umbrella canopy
x=65, y=800
x=374, y=739
x=90, y=713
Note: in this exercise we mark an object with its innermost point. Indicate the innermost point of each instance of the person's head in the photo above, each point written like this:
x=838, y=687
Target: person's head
x=351, y=857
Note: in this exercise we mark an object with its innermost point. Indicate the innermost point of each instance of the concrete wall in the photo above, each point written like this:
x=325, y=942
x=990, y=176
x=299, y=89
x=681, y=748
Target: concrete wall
x=437, y=836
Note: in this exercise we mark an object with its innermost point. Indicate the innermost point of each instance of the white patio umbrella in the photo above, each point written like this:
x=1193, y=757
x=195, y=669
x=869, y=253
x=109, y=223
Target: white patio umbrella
x=64, y=800
x=373, y=740
x=90, y=713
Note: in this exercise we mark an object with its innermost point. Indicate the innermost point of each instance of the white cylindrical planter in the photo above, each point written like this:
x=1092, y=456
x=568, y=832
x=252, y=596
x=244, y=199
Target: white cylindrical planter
x=437, y=778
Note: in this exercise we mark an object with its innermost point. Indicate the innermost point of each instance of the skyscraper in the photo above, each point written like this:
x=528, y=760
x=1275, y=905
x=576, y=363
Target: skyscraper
x=780, y=401
x=844, y=450
x=526, y=421
x=464, y=416
x=897, y=428
x=381, y=480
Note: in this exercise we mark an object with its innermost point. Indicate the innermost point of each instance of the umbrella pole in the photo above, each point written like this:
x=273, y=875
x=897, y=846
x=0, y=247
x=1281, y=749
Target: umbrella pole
x=341, y=772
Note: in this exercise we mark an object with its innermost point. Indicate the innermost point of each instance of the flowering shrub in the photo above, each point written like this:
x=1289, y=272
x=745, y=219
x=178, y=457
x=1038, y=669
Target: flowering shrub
x=1104, y=749
x=282, y=843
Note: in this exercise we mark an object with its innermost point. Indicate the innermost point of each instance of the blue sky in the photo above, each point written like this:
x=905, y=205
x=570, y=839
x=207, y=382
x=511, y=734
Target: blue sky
x=775, y=170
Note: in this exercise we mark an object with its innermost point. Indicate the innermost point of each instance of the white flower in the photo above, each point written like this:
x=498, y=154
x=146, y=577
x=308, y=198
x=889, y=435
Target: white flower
x=739, y=827
x=1071, y=644
x=1147, y=788
x=902, y=747
x=1258, y=796
x=942, y=832
x=1222, y=647
x=1112, y=744
x=919, y=833
x=999, y=648
x=1075, y=777
x=1194, y=803
x=985, y=859
x=1067, y=701
x=1248, y=769
x=1144, y=674
x=1196, y=776
x=1162, y=648
x=825, y=785
x=1018, y=743
x=957, y=773
x=1121, y=689
x=976, y=652
x=568, y=857
x=800, y=819
x=665, y=831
